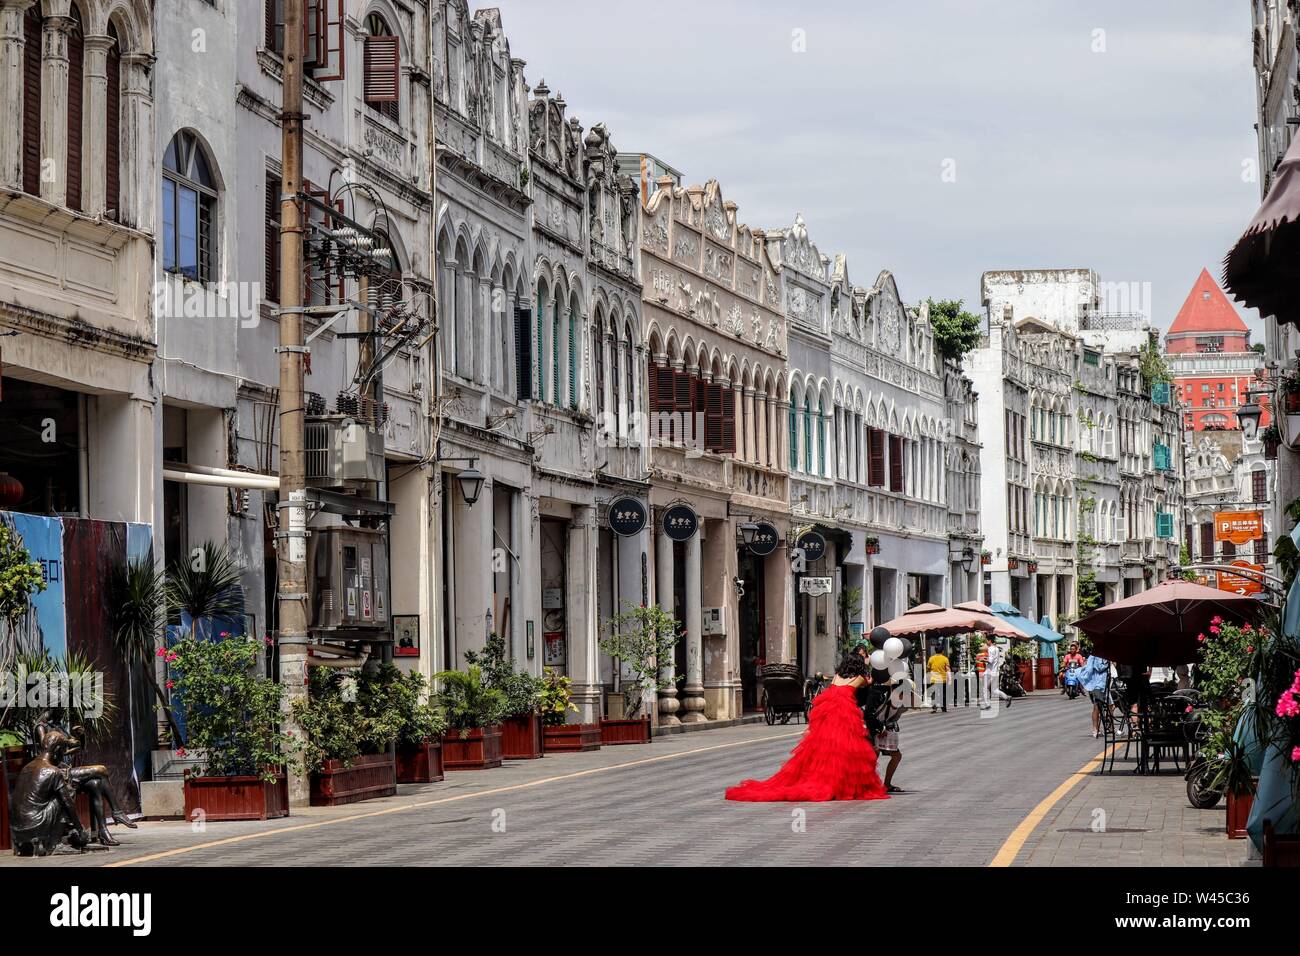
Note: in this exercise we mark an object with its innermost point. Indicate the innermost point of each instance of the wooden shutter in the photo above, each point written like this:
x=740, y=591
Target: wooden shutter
x=523, y=352
x=1261, y=551
x=32, y=42
x=1207, y=539
x=652, y=404
x=76, y=71
x=729, y=421
x=876, y=457
x=113, y=136
x=895, y=463
x=1259, y=486
x=274, y=12
x=661, y=400
x=573, y=360
x=271, y=240
x=382, y=69
x=1229, y=550
x=684, y=405
x=713, y=397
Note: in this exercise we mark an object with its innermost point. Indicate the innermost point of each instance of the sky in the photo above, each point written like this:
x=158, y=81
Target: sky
x=938, y=139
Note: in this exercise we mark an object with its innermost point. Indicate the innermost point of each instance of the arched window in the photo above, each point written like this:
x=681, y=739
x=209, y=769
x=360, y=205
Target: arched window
x=76, y=77
x=381, y=68
x=793, y=428
x=189, y=211
x=598, y=359
x=113, y=128
x=32, y=43
x=541, y=342
x=555, y=350
x=808, y=435
x=821, y=437
x=573, y=357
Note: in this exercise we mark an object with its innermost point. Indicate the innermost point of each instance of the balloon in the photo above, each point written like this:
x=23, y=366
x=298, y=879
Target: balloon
x=893, y=648
x=898, y=668
x=878, y=660
x=878, y=636
x=907, y=647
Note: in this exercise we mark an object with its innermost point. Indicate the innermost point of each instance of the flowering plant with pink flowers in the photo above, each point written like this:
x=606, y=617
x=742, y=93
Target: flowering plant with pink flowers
x=1228, y=655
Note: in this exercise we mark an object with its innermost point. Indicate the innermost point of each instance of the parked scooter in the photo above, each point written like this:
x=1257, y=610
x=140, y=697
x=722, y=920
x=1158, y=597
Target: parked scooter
x=1201, y=771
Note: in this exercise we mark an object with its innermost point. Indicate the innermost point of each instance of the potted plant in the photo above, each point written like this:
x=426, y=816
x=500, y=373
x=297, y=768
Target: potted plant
x=474, y=713
x=1290, y=388
x=639, y=638
x=138, y=599
x=420, y=730
x=232, y=717
x=560, y=736
x=1013, y=562
x=350, y=728
x=871, y=544
x=1031, y=567
x=521, y=731
x=986, y=556
x=1271, y=438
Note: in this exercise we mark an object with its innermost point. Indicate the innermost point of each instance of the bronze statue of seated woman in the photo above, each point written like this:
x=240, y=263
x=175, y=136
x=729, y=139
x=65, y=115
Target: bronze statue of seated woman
x=43, y=814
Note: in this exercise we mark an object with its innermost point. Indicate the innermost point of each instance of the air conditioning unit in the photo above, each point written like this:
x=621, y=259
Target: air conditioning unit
x=714, y=621
x=347, y=569
x=342, y=452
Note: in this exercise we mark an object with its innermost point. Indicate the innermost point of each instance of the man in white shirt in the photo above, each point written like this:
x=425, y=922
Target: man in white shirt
x=992, y=667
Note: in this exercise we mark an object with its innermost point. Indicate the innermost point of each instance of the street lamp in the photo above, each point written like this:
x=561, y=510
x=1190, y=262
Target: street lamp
x=968, y=558
x=747, y=532
x=1248, y=416
x=471, y=484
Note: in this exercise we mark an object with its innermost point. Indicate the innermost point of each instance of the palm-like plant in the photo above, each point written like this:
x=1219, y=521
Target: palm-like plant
x=468, y=702
x=205, y=584
x=138, y=605
x=73, y=695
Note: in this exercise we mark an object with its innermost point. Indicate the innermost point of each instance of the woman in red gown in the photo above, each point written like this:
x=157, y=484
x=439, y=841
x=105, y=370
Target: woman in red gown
x=834, y=760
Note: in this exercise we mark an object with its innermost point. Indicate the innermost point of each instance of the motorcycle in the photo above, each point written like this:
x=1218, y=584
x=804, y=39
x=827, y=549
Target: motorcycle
x=1073, y=688
x=1201, y=772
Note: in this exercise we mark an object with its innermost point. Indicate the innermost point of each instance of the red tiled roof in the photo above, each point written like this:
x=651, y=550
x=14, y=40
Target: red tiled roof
x=1207, y=309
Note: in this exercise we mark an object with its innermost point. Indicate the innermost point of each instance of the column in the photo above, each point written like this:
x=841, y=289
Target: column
x=54, y=109
x=136, y=180
x=841, y=456
x=773, y=434
x=693, y=700
x=751, y=427
x=668, y=703
x=783, y=438
x=94, y=124
x=485, y=323
x=11, y=78
x=584, y=662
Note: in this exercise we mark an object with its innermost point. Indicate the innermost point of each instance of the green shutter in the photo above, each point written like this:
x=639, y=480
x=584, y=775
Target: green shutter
x=1164, y=524
x=555, y=354
x=807, y=438
x=794, y=437
x=541, y=337
x=573, y=361
x=821, y=444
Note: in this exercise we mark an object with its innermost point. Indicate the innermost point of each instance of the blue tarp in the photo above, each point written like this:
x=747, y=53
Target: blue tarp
x=1012, y=614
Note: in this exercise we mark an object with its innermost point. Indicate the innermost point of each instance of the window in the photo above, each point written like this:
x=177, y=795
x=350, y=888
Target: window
x=113, y=128
x=897, y=474
x=271, y=240
x=381, y=68
x=189, y=209
x=32, y=100
x=1259, y=485
x=598, y=360
x=76, y=77
x=1207, y=540
x=523, y=352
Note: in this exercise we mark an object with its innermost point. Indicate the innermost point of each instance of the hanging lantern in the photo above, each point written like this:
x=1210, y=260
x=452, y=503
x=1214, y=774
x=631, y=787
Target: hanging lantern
x=11, y=490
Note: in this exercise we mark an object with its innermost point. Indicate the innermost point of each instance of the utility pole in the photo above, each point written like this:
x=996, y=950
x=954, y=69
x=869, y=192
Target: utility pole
x=291, y=533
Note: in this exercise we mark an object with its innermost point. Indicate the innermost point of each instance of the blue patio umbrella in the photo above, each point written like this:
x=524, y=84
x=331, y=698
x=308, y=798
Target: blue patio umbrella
x=1047, y=648
x=1011, y=613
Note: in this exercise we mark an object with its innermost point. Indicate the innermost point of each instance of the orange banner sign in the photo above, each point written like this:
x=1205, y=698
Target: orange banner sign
x=1238, y=527
x=1241, y=583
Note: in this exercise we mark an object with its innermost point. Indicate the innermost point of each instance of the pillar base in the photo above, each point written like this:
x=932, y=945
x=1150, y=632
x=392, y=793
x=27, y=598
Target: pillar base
x=693, y=704
x=668, y=707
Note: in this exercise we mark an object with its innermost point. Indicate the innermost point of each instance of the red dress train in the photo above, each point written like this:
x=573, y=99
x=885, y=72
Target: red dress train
x=833, y=761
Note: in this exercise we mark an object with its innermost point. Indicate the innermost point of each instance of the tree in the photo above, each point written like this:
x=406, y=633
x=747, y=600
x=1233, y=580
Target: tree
x=956, y=331
x=641, y=637
x=138, y=613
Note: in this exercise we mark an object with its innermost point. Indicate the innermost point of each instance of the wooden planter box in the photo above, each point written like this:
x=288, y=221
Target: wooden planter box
x=420, y=764
x=236, y=798
x=521, y=737
x=369, y=777
x=480, y=749
x=634, y=731
x=1238, y=813
x=571, y=738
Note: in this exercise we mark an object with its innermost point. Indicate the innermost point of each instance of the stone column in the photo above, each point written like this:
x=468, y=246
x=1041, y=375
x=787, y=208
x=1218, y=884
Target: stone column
x=487, y=325
x=584, y=661
x=783, y=436
x=94, y=125
x=664, y=570
x=773, y=433
x=54, y=109
x=693, y=699
x=751, y=427
x=136, y=181
x=12, y=48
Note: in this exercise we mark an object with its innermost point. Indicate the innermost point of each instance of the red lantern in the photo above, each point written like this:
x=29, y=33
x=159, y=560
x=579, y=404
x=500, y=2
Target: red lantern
x=11, y=490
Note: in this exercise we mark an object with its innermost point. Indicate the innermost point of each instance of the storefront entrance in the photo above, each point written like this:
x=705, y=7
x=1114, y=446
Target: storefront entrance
x=753, y=644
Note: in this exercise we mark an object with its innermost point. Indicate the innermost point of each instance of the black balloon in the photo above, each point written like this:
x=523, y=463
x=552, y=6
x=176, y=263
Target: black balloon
x=907, y=648
x=878, y=637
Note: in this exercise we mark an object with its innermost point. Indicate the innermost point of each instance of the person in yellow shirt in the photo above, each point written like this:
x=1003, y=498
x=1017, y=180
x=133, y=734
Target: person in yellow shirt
x=938, y=668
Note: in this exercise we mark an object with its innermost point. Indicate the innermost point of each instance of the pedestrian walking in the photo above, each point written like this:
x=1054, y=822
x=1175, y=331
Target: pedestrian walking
x=1094, y=676
x=992, y=674
x=940, y=672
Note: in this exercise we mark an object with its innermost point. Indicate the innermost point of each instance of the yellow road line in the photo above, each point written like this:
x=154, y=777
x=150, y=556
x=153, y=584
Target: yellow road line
x=433, y=803
x=1007, y=854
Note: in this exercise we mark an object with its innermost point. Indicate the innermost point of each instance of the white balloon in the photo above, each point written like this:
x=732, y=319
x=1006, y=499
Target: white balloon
x=878, y=660
x=898, y=668
x=893, y=648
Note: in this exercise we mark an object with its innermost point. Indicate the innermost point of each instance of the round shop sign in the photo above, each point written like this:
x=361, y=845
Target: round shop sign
x=813, y=544
x=681, y=522
x=627, y=516
x=766, y=538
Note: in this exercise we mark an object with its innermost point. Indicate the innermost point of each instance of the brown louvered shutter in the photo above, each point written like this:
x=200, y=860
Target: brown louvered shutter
x=895, y=463
x=274, y=25
x=683, y=406
x=272, y=239
x=728, y=421
x=1207, y=539
x=661, y=403
x=76, y=69
x=113, y=135
x=382, y=68
x=876, y=457
x=652, y=404
x=32, y=42
x=713, y=399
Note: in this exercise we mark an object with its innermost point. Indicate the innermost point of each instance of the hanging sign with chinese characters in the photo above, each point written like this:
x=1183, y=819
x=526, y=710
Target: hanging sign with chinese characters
x=1238, y=527
x=627, y=516
x=766, y=538
x=681, y=522
x=813, y=544
x=814, y=586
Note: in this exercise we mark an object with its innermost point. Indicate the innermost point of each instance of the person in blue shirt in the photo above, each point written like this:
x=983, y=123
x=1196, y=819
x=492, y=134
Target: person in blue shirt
x=1094, y=676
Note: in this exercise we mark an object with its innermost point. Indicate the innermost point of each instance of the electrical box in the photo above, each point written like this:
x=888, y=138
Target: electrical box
x=715, y=621
x=347, y=569
x=342, y=452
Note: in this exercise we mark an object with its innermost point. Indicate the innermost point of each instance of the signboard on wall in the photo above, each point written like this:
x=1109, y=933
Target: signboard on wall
x=814, y=586
x=681, y=522
x=766, y=538
x=813, y=544
x=553, y=649
x=627, y=516
x=1241, y=583
x=1238, y=527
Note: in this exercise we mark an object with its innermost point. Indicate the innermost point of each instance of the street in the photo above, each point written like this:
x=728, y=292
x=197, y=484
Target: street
x=972, y=783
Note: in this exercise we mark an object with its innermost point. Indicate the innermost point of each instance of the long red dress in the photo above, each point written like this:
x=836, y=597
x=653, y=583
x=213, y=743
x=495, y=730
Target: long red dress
x=833, y=761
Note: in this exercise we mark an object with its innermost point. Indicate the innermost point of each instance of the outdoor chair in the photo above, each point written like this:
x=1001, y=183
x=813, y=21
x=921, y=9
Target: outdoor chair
x=1161, y=726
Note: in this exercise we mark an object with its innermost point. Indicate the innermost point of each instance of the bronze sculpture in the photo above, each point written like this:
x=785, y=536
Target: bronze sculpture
x=44, y=810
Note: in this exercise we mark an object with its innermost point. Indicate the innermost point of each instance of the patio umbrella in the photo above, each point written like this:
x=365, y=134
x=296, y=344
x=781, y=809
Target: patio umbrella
x=1261, y=269
x=1001, y=626
x=1158, y=628
x=937, y=622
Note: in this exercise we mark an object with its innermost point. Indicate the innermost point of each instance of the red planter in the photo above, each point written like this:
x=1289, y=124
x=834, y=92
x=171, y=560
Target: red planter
x=1238, y=813
x=1025, y=672
x=1291, y=401
x=236, y=798
x=571, y=738
x=521, y=737
x=420, y=764
x=370, y=776
x=635, y=731
x=1046, y=673
x=479, y=749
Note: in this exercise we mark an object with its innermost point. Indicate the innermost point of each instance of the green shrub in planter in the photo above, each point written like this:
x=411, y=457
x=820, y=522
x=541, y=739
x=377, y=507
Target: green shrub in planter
x=347, y=714
x=523, y=691
x=404, y=696
x=556, y=699
x=468, y=702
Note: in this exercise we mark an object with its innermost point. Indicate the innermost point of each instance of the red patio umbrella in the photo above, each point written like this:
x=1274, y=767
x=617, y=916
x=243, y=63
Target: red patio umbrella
x=938, y=622
x=1159, y=627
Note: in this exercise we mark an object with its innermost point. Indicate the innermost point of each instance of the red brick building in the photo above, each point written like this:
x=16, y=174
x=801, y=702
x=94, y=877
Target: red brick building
x=1209, y=353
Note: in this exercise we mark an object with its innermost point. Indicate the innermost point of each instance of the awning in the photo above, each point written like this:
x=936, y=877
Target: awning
x=1038, y=632
x=1262, y=270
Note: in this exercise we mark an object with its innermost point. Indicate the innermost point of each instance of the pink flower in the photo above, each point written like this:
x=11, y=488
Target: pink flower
x=171, y=684
x=161, y=652
x=1213, y=629
x=1295, y=755
x=180, y=752
x=1201, y=638
x=1216, y=620
x=224, y=634
x=1250, y=649
x=1187, y=710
